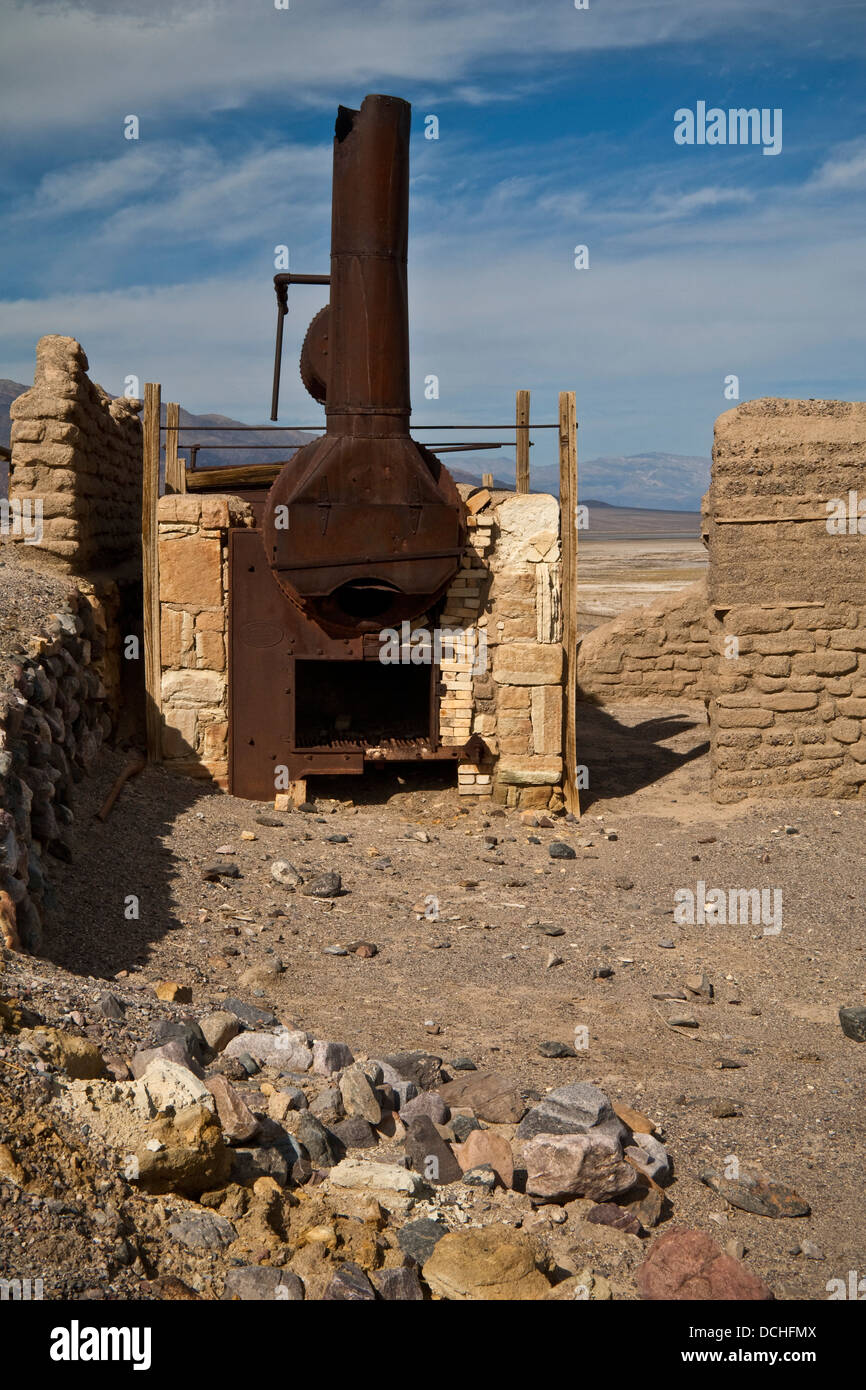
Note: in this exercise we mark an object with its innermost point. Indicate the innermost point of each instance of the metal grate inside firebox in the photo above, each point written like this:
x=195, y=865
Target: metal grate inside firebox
x=342, y=704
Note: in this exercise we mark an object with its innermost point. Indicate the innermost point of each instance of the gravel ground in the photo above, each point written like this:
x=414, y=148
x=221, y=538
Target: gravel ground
x=476, y=980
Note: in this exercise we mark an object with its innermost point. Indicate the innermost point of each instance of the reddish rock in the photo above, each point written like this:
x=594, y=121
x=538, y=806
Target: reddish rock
x=687, y=1264
x=484, y=1148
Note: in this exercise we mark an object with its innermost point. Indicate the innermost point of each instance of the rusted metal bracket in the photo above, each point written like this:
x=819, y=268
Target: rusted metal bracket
x=281, y=287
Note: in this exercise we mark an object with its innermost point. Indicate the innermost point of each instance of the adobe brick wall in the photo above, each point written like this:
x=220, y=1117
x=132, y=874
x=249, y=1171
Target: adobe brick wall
x=658, y=652
x=788, y=715
x=77, y=451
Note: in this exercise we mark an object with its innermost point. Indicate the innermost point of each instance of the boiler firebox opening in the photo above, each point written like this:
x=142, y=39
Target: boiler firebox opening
x=361, y=703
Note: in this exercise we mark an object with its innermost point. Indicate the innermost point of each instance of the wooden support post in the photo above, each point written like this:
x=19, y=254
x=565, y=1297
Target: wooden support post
x=522, y=475
x=486, y=479
x=175, y=469
x=568, y=531
x=150, y=569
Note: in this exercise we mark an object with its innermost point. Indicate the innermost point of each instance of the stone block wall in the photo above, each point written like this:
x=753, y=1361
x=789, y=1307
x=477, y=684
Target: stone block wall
x=788, y=713
x=76, y=452
x=509, y=591
x=193, y=593
x=659, y=652
x=57, y=704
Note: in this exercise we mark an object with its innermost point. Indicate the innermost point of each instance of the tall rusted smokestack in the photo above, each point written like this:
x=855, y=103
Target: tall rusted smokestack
x=363, y=527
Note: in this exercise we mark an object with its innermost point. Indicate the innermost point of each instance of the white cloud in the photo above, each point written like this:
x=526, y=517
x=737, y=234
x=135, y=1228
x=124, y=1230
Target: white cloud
x=83, y=66
x=844, y=170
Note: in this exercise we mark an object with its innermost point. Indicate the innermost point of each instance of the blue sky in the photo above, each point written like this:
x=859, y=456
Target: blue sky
x=556, y=129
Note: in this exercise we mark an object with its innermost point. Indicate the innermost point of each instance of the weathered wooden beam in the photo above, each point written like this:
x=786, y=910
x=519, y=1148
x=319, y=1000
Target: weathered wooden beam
x=568, y=531
x=174, y=481
x=241, y=475
x=150, y=569
x=486, y=479
x=522, y=455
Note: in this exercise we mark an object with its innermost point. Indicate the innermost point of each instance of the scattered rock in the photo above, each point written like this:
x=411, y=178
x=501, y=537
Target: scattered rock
x=238, y=1122
x=205, y=1230
x=78, y=1057
x=262, y=1284
x=560, y=1167
x=219, y=1028
x=618, y=1218
x=359, y=1097
x=376, y=1177
x=397, y=1285
x=418, y=1239
x=355, y=1133
x=493, y=1264
x=250, y=1015
x=558, y=849
x=429, y=1154
x=286, y=873
x=428, y=1103
x=853, y=1021
x=329, y=1057
x=687, y=1264
x=573, y=1109
x=211, y=873
x=755, y=1193
x=483, y=1148
x=288, y=1052
x=350, y=1284
x=493, y=1098
x=422, y=1068
x=327, y=885
x=556, y=1049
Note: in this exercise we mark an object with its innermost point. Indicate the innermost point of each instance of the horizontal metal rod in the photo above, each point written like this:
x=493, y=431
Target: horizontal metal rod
x=308, y=429
x=443, y=448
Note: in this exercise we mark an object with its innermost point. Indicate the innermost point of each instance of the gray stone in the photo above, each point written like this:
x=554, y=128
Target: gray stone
x=349, y=1284
x=355, y=1133
x=398, y=1285
x=403, y=1091
x=262, y=1284
x=558, y=849
x=421, y=1067
x=316, y=1139
x=285, y=1051
x=111, y=1007
x=483, y=1176
x=328, y=1106
x=463, y=1064
x=556, y=1049
x=286, y=873
x=250, y=1015
x=329, y=1057
x=429, y=1154
x=651, y=1157
x=204, y=1230
x=417, y=1239
x=172, y=1051
x=263, y=1162
x=853, y=1021
x=573, y=1109
x=428, y=1103
x=462, y=1126
x=327, y=885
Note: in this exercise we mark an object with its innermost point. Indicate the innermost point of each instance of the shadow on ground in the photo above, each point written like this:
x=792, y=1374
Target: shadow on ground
x=622, y=757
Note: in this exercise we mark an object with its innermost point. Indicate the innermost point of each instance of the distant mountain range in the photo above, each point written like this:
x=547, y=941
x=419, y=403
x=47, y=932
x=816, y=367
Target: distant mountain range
x=659, y=483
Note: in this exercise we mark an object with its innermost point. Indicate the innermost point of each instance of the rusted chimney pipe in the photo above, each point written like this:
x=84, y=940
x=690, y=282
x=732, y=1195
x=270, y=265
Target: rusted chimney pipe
x=363, y=527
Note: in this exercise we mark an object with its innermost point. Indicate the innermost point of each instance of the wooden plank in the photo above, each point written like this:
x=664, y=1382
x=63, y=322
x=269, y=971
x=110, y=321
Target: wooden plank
x=241, y=475
x=522, y=418
x=150, y=568
x=486, y=479
x=173, y=476
x=568, y=529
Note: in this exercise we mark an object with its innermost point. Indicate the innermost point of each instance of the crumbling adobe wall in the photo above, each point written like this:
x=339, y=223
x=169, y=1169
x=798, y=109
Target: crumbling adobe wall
x=76, y=453
x=659, y=652
x=789, y=711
